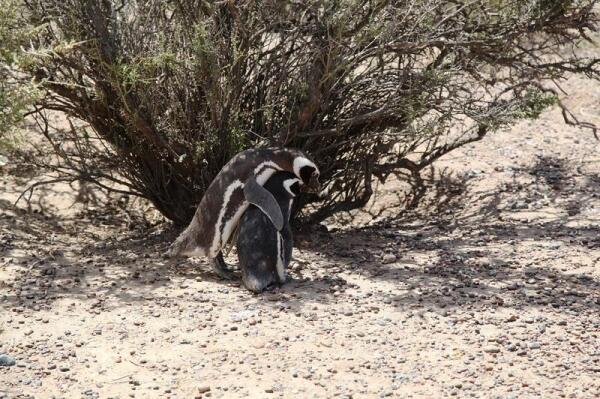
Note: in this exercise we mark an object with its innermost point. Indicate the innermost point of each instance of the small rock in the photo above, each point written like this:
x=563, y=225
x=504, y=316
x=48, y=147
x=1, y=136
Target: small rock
x=388, y=258
x=554, y=245
x=491, y=349
x=7, y=361
x=534, y=345
x=203, y=389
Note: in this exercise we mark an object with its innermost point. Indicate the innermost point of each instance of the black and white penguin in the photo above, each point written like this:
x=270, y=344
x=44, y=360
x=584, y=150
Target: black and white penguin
x=263, y=251
x=238, y=184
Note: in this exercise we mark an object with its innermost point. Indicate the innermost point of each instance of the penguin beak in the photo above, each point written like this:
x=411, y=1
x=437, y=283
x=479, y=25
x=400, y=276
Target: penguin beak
x=313, y=186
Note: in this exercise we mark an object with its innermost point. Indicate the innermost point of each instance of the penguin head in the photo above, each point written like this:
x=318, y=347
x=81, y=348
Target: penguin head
x=284, y=185
x=308, y=172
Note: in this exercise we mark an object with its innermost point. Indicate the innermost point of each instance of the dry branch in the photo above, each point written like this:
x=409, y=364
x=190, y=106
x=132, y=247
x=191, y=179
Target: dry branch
x=170, y=90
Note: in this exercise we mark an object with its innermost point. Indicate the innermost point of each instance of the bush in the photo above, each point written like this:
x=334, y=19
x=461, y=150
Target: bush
x=169, y=90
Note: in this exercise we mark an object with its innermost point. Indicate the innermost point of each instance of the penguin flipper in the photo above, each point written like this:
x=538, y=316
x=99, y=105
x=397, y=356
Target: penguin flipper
x=264, y=200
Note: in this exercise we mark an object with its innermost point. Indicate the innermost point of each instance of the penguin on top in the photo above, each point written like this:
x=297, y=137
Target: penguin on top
x=264, y=252
x=238, y=184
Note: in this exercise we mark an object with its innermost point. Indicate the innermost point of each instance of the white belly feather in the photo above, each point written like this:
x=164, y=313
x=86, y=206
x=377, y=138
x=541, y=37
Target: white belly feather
x=280, y=258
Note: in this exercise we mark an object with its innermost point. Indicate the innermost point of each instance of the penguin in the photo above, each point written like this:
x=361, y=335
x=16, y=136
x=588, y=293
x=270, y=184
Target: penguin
x=238, y=184
x=264, y=252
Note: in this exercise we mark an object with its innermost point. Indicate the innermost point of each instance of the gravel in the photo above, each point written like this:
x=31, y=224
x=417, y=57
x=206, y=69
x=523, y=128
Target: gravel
x=464, y=298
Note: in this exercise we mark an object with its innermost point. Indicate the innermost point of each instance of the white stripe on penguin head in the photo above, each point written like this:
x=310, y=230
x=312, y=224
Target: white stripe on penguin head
x=288, y=183
x=300, y=162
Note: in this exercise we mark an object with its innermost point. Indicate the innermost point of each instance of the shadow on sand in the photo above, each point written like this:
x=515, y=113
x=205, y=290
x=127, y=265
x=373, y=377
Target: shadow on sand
x=441, y=254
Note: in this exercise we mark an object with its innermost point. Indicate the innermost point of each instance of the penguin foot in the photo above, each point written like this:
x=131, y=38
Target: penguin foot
x=220, y=267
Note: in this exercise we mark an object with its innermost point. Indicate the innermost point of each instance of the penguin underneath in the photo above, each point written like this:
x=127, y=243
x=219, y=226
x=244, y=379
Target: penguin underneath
x=263, y=251
x=238, y=184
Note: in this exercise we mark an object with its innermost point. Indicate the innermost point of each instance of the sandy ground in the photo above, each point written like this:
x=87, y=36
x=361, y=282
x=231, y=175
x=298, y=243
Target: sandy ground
x=489, y=289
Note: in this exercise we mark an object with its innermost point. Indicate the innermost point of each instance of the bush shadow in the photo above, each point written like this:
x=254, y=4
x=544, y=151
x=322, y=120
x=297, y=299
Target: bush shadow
x=439, y=258
x=479, y=249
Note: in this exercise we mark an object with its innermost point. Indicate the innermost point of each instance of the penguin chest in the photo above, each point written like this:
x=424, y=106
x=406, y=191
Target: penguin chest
x=280, y=262
x=234, y=205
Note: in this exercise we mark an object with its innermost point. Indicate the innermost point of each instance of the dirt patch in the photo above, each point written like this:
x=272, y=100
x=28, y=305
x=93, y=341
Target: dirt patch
x=491, y=288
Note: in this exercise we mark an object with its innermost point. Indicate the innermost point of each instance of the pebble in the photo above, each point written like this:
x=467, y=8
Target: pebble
x=7, y=361
x=203, y=389
x=534, y=345
x=388, y=258
x=491, y=349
